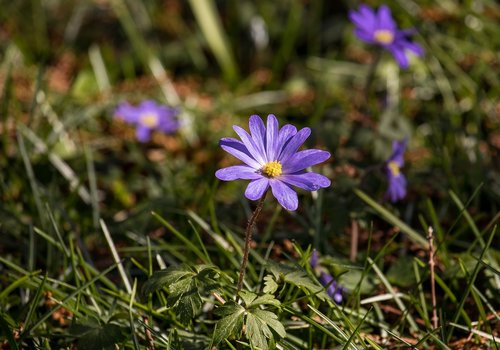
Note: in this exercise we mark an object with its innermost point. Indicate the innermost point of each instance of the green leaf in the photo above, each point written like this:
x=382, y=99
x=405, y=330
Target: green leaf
x=92, y=335
x=401, y=272
x=166, y=277
x=232, y=322
x=85, y=85
x=298, y=277
x=188, y=305
x=265, y=299
x=270, y=285
x=184, y=285
x=272, y=321
x=259, y=324
x=248, y=297
x=255, y=331
x=352, y=278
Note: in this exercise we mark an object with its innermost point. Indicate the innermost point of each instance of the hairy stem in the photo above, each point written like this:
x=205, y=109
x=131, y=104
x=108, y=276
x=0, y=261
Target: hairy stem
x=432, y=264
x=248, y=239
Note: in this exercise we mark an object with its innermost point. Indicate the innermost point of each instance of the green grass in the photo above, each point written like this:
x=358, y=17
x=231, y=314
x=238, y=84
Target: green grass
x=109, y=243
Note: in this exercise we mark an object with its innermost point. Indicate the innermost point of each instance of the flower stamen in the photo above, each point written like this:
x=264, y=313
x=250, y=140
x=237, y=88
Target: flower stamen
x=150, y=120
x=394, y=168
x=272, y=169
x=384, y=36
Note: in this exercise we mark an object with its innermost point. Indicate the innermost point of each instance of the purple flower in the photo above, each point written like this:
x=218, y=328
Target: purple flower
x=271, y=159
x=332, y=289
x=379, y=28
x=397, y=181
x=148, y=116
x=314, y=259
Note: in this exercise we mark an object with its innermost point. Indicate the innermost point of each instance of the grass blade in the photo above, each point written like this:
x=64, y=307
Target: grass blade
x=116, y=257
x=390, y=218
x=206, y=15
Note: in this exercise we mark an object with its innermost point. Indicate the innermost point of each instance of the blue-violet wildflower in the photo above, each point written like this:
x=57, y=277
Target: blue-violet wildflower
x=397, y=181
x=334, y=290
x=148, y=116
x=271, y=160
x=380, y=28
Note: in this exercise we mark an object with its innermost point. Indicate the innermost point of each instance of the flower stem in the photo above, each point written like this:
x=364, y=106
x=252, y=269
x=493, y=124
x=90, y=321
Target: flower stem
x=248, y=239
x=432, y=265
x=371, y=74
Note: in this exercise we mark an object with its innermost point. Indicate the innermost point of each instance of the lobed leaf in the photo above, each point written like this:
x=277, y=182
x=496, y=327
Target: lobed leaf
x=265, y=299
x=184, y=285
x=232, y=322
x=166, y=277
x=259, y=324
x=270, y=285
x=298, y=277
x=92, y=335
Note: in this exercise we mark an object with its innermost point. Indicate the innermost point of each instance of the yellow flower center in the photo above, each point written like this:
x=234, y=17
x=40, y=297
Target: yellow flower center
x=384, y=36
x=150, y=120
x=271, y=169
x=393, y=168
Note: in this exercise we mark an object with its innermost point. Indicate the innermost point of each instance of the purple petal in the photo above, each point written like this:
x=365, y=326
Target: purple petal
x=326, y=279
x=168, y=119
x=365, y=36
x=415, y=48
x=293, y=145
x=331, y=289
x=258, y=131
x=239, y=150
x=142, y=133
x=285, y=195
x=398, y=150
x=250, y=144
x=399, y=56
x=397, y=188
x=235, y=172
x=307, y=181
x=385, y=20
x=284, y=135
x=337, y=297
x=314, y=259
x=168, y=125
x=368, y=16
x=272, y=137
x=407, y=32
x=304, y=159
x=127, y=113
x=365, y=23
x=148, y=105
x=256, y=189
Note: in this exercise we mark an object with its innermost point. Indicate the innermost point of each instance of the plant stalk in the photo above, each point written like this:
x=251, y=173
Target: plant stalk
x=432, y=265
x=248, y=239
x=370, y=77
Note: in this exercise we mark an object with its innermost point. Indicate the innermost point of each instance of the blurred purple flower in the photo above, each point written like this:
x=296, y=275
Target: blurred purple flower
x=333, y=289
x=397, y=181
x=314, y=259
x=379, y=28
x=271, y=160
x=148, y=116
